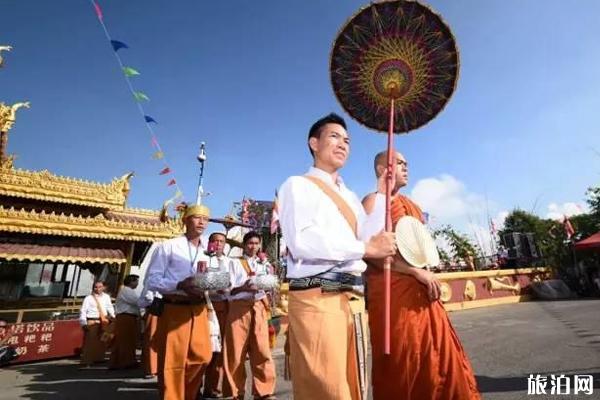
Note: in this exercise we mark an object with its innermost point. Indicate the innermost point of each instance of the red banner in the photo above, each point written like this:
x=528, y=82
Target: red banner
x=41, y=340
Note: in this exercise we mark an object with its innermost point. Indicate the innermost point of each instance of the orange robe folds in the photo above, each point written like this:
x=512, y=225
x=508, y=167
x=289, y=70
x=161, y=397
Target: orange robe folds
x=427, y=360
x=182, y=341
x=247, y=333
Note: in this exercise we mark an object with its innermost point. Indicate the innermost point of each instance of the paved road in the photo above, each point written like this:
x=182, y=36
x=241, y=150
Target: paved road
x=505, y=344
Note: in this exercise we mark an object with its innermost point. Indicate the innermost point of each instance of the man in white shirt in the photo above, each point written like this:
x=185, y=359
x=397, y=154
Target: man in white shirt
x=215, y=380
x=95, y=315
x=127, y=327
x=328, y=234
x=182, y=338
x=247, y=331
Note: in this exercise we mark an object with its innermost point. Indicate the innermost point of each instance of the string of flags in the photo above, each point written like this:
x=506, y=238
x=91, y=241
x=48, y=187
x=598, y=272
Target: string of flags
x=140, y=97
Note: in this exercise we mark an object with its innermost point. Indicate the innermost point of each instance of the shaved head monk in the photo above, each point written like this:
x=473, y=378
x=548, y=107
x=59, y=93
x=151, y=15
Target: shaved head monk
x=426, y=360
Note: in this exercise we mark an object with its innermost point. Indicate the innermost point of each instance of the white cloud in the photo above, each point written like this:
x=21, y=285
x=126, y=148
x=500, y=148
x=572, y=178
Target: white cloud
x=558, y=211
x=499, y=219
x=448, y=201
x=446, y=198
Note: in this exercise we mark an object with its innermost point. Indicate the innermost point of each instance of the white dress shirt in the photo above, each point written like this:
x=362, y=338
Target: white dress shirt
x=89, y=308
x=239, y=276
x=223, y=264
x=127, y=301
x=173, y=261
x=316, y=233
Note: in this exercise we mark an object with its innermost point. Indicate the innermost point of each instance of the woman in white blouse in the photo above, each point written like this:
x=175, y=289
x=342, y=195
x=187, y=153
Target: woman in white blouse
x=96, y=313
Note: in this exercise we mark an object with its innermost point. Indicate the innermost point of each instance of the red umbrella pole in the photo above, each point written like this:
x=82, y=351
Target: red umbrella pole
x=387, y=266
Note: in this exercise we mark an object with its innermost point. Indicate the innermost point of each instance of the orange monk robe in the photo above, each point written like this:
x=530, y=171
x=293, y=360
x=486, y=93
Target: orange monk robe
x=427, y=360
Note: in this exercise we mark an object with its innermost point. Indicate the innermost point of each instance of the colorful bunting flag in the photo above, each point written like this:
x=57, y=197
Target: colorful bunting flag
x=117, y=45
x=129, y=72
x=139, y=96
x=275, y=215
x=569, y=230
x=98, y=10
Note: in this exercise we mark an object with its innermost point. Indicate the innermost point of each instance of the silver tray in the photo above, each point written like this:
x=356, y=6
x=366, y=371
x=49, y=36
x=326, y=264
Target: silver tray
x=212, y=280
x=266, y=282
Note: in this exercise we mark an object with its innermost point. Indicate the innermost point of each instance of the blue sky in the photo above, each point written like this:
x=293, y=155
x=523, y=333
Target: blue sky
x=249, y=78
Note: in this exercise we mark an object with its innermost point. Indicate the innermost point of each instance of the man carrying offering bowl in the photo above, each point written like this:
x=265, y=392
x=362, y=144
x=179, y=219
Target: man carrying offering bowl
x=215, y=380
x=247, y=330
x=182, y=339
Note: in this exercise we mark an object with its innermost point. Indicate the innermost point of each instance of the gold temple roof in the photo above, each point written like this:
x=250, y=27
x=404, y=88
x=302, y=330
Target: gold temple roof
x=98, y=227
x=45, y=186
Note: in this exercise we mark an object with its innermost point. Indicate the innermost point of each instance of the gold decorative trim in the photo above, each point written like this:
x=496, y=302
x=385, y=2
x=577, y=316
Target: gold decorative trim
x=73, y=259
x=137, y=212
x=99, y=227
x=470, y=291
x=450, y=276
x=43, y=185
x=446, y=292
x=502, y=284
x=465, y=305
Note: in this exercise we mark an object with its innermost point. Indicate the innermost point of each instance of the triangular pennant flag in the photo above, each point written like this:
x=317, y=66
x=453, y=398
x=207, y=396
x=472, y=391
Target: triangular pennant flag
x=128, y=71
x=178, y=193
x=150, y=119
x=154, y=142
x=171, y=182
x=165, y=171
x=139, y=96
x=98, y=10
x=158, y=155
x=116, y=45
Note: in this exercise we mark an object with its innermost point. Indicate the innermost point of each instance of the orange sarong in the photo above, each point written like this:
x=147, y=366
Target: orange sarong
x=427, y=360
x=122, y=354
x=182, y=341
x=149, y=355
x=322, y=343
x=215, y=378
x=247, y=334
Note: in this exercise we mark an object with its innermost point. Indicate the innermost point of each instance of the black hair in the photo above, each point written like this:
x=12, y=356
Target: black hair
x=129, y=279
x=212, y=236
x=250, y=235
x=317, y=127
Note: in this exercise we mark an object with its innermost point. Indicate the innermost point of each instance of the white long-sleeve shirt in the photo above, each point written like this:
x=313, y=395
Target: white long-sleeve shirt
x=173, y=261
x=89, y=308
x=127, y=301
x=239, y=276
x=316, y=233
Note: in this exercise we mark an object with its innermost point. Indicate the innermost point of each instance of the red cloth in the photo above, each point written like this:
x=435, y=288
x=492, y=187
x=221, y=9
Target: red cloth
x=427, y=360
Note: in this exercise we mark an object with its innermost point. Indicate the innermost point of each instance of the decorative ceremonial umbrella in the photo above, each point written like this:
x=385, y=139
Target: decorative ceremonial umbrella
x=394, y=66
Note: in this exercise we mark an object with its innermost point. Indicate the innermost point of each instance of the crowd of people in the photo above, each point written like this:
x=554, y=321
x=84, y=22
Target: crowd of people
x=334, y=243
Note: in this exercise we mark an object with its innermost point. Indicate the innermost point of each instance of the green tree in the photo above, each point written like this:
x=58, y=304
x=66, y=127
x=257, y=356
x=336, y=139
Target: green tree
x=460, y=244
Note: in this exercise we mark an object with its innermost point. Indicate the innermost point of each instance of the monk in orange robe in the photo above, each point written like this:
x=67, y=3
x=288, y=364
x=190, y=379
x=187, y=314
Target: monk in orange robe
x=426, y=360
